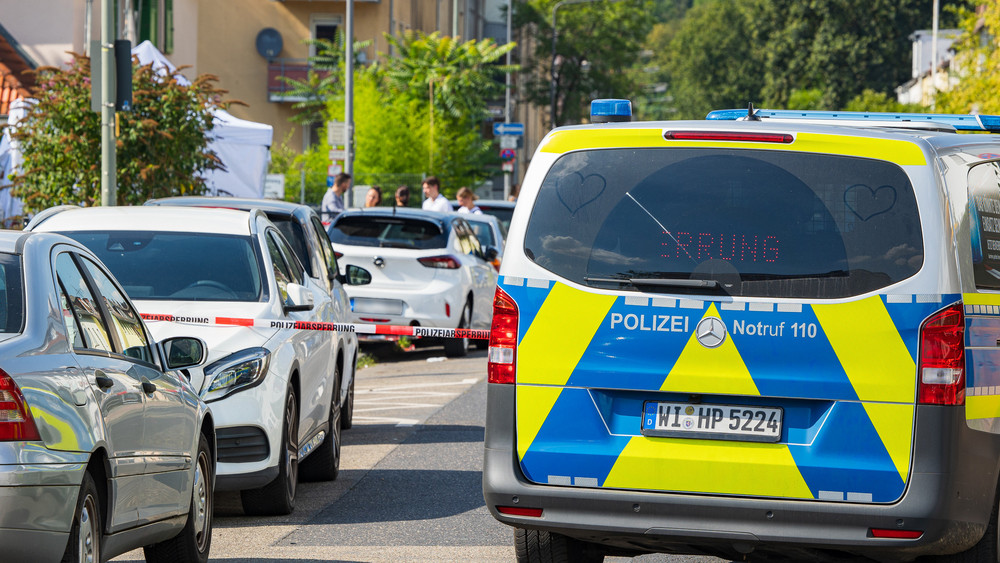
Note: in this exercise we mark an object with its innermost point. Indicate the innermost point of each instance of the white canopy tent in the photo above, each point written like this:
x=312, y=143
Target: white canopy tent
x=242, y=146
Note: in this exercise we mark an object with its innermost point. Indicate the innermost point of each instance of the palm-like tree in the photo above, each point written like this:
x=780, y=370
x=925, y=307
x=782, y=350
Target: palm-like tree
x=324, y=79
x=458, y=77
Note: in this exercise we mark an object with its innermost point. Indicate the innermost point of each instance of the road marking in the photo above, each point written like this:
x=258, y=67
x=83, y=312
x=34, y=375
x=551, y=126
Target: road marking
x=466, y=381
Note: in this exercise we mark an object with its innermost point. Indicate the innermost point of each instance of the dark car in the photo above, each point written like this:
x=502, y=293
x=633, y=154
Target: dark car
x=502, y=210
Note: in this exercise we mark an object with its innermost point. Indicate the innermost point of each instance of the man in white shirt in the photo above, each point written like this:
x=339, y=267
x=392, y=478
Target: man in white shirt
x=333, y=199
x=434, y=200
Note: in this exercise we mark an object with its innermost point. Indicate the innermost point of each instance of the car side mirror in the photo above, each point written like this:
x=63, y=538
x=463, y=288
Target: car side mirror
x=299, y=298
x=183, y=352
x=356, y=275
x=491, y=253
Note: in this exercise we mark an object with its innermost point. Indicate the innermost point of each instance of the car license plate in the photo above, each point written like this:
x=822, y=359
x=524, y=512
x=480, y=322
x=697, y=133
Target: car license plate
x=713, y=422
x=378, y=306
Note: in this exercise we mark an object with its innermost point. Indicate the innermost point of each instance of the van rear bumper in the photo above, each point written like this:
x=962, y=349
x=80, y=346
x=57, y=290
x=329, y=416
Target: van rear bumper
x=950, y=496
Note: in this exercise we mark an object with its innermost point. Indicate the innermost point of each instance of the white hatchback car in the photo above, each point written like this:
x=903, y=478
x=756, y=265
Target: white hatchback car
x=277, y=393
x=427, y=269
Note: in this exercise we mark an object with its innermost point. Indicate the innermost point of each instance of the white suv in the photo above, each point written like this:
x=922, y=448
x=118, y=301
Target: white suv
x=277, y=393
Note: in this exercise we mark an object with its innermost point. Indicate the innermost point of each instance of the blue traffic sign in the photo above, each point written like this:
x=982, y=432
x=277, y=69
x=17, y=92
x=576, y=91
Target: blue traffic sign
x=515, y=129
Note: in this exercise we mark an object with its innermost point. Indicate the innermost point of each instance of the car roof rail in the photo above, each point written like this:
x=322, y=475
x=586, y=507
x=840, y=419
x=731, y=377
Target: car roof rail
x=949, y=121
x=44, y=214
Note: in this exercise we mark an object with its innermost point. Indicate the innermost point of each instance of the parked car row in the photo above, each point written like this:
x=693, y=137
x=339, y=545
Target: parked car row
x=115, y=432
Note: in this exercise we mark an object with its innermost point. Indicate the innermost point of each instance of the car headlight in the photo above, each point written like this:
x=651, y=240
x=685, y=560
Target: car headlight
x=236, y=372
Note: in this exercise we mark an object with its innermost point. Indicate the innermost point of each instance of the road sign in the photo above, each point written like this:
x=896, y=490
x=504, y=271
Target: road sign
x=338, y=154
x=516, y=129
x=508, y=154
x=334, y=169
x=508, y=142
x=508, y=166
x=336, y=133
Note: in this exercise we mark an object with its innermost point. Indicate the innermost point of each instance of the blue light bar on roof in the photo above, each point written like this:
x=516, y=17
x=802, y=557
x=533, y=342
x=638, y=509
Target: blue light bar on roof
x=610, y=110
x=961, y=122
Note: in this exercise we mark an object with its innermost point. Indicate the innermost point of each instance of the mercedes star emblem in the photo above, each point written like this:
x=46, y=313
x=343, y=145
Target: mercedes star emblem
x=710, y=332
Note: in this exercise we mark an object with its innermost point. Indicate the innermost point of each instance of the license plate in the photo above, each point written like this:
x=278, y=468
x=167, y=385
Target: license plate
x=377, y=306
x=712, y=422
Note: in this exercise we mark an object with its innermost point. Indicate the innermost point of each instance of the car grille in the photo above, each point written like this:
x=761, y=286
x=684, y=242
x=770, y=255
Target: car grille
x=240, y=444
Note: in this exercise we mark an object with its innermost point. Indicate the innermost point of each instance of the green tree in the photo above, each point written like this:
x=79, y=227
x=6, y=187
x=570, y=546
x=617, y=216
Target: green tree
x=324, y=79
x=598, y=44
x=978, y=58
x=162, y=148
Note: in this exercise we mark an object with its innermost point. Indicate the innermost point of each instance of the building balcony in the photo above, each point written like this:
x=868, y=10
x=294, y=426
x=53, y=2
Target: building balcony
x=278, y=89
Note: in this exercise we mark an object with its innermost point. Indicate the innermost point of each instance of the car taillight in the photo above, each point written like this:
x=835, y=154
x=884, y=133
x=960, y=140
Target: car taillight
x=942, y=358
x=446, y=262
x=503, y=339
x=338, y=255
x=16, y=423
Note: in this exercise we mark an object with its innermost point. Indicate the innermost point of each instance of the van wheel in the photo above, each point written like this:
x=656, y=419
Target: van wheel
x=278, y=497
x=85, y=535
x=324, y=463
x=195, y=540
x=536, y=546
x=458, y=347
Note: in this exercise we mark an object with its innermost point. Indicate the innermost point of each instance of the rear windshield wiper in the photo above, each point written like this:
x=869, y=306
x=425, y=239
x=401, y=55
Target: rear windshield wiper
x=658, y=282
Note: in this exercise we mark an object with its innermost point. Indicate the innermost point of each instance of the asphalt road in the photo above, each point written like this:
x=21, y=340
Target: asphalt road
x=410, y=484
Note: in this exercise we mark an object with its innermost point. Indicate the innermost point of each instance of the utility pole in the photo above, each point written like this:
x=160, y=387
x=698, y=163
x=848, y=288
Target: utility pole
x=349, y=95
x=109, y=165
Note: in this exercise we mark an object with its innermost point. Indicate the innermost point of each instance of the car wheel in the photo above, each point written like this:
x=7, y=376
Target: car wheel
x=278, y=497
x=536, y=546
x=324, y=463
x=195, y=540
x=458, y=347
x=85, y=536
x=347, y=413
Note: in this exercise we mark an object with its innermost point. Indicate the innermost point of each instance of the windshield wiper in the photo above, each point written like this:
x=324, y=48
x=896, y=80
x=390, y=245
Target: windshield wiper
x=658, y=282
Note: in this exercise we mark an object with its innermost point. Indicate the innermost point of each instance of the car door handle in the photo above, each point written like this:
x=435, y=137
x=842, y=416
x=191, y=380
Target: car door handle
x=148, y=387
x=103, y=381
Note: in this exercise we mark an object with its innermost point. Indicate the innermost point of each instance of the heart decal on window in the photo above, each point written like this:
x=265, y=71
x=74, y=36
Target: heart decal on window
x=866, y=203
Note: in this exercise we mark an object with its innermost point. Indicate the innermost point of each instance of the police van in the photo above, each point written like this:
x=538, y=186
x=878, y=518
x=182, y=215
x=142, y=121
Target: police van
x=768, y=333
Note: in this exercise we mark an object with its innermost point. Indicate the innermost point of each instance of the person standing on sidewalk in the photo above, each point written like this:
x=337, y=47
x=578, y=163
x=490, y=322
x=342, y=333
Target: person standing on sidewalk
x=434, y=200
x=333, y=199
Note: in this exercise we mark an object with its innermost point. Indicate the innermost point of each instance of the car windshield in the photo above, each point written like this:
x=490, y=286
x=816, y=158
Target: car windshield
x=503, y=214
x=388, y=231
x=736, y=222
x=11, y=294
x=179, y=266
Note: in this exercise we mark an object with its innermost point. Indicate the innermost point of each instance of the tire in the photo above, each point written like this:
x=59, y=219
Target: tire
x=85, y=536
x=459, y=347
x=195, y=540
x=324, y=463
x=535, y=546
x=347, y=413
x=277, y=498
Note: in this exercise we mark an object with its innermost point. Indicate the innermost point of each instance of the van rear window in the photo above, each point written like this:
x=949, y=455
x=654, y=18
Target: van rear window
x=737, y=222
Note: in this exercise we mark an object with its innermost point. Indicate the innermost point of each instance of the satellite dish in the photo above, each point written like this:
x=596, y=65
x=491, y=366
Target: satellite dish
x=269, y=43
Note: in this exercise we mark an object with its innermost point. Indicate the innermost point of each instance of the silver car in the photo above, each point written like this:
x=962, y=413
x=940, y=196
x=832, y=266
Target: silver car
x=104, y=445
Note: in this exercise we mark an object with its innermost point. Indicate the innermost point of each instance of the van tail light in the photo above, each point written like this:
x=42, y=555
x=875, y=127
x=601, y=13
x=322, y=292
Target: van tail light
x=503, y=340
x=16, y=423
x=942, y=358
x=338, y=255
x=445, y=262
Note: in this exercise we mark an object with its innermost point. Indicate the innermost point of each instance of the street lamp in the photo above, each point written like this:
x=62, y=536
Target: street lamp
x=552, y=69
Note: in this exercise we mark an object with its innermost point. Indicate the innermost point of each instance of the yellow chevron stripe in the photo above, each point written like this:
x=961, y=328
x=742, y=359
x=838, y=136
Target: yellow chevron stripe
x=560, y=334
x=708, y=466
x=870, y=350
x=533, y=407
x=710, y=370
x=982, y=406
x=900, y=152
x=894, y=424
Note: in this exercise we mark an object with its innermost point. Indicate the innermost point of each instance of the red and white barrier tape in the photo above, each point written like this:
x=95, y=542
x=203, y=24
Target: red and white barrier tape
x=393, y=330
